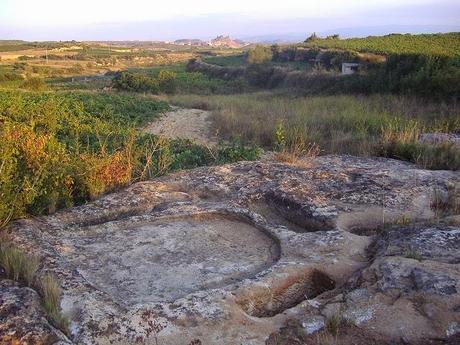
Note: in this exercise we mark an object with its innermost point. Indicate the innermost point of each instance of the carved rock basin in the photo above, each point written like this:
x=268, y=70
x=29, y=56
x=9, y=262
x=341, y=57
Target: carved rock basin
x=236, y=254
x=166, y=259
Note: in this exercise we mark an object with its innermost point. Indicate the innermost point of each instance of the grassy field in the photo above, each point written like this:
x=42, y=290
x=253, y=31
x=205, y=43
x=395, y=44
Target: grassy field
x=377, y=125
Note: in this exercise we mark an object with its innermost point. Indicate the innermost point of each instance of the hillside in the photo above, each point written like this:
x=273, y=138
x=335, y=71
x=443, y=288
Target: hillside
x=436, y=44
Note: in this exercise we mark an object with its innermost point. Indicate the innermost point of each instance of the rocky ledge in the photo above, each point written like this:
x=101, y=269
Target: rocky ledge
x=252, y=253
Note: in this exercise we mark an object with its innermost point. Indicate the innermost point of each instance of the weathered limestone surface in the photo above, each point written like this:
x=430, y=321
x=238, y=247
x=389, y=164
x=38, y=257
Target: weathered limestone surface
x=22, y=320
x=231, y=254
x=440, y=138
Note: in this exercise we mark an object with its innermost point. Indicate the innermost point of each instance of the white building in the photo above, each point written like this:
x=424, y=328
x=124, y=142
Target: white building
x=349, y=67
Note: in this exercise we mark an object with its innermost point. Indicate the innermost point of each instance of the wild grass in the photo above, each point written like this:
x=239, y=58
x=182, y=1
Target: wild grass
x=17, y=265
x=298, y=152
x=334, y=322
x=360, y=125
x=22, y=268
x=446, y=202
x=51, y=295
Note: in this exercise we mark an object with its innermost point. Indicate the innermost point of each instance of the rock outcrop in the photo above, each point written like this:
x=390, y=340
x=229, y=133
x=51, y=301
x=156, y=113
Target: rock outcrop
x=22, y=320
x=226, y=42
x=235, y=253
x=440, y=139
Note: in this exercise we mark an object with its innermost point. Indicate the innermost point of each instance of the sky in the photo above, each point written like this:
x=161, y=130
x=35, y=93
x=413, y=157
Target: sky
x=173, y=19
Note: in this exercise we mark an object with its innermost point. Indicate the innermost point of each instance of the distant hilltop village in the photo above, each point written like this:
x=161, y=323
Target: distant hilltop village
x=219, y=41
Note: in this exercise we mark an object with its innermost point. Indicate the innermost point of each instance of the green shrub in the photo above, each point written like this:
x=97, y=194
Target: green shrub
x=259, y=55
x=334, y=323
x=167, y=81
x=34, y=175
x=430, y=70
x=54, y=153
x=135, y=82
x=188, y=155
x=237, y=151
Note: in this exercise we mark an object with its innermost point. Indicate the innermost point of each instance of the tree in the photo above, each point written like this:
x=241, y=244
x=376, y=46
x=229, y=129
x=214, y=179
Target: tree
x=259, y=55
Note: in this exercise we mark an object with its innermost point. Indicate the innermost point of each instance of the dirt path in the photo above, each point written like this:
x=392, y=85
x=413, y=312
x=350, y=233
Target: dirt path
x=182, y=123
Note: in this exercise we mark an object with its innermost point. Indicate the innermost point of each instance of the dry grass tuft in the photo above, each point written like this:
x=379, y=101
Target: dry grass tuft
x=334, y=322
x=300, y=154
x=51, y=293
x=446, y=203
x=17, y=265
x=22, y=268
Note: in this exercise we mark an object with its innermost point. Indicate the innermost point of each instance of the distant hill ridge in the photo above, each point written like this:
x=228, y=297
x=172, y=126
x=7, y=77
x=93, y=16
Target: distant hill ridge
x=219, y=41
x=226, y=41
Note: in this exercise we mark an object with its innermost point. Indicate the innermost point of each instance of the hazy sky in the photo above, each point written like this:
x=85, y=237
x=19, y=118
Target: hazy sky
x=149, y=19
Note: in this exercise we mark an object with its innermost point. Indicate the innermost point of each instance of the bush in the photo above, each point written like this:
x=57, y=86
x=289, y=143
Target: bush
x=135, y=82
x=167, y=81
x=428, y=76
x=237, y=151
x=188, y=155
x=34, y=171
x=312, y=38
x=259, y=55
